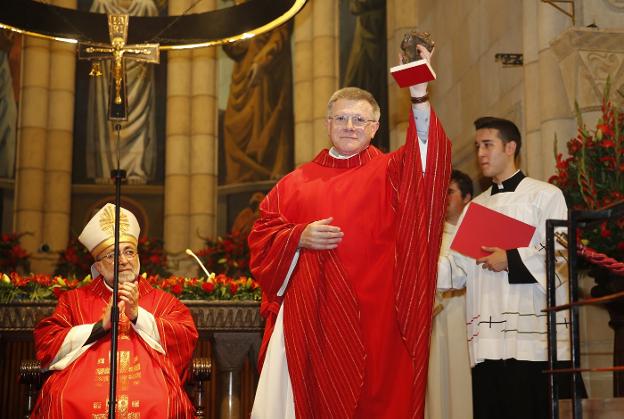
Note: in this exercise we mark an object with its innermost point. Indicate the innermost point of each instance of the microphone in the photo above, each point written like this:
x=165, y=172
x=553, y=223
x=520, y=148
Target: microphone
x=208, y=274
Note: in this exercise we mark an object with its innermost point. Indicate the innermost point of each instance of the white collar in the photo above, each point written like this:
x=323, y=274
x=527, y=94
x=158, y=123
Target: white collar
x=335, y=154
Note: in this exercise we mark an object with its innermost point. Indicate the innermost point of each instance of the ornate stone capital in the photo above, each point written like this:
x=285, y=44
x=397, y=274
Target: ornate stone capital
x=586, y=58
x=617, y=4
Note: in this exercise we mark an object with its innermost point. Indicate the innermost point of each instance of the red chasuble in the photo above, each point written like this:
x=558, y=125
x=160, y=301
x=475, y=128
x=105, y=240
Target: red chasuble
x=357, y=319
x=149, y=384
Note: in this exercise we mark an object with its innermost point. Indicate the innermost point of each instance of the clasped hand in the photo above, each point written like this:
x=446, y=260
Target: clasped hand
x=321, y=235
x=128, y=303
x=496, y=261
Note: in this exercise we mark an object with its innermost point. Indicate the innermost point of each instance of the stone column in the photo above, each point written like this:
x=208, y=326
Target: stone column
x=204, y=145
x=315, y=75
x=31, y=152
x=177, y=188
x=555, y=117
x=400, y=18
x=303, y=86
x=532, y=149
x=324, y=67
x=59, y=147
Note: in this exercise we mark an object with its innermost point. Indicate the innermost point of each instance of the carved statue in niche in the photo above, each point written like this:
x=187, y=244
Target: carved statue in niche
x=8, y=107
x=138, y=135
x=366, y=66
x=258, y=119
x=245, y=219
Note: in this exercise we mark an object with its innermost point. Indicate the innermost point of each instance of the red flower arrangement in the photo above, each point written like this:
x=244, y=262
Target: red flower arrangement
x=15, y=287
x=35, y=287
x=152, y=256
x=227, y=255
x=13, y=257
x=215, y=287
x=592, y=176
x=74, y=262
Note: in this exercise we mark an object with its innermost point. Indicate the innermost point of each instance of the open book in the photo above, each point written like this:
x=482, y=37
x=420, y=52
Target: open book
x=412, y=73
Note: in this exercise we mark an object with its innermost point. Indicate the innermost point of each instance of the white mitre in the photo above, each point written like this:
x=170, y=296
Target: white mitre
x=99, y=233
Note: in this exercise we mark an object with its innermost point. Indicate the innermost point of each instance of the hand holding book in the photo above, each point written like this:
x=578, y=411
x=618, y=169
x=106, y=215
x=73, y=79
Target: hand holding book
x=482, y=227
x=415, y=69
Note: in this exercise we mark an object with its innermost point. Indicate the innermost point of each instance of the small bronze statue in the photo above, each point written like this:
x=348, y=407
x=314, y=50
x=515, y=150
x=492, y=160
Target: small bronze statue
x=410, y=40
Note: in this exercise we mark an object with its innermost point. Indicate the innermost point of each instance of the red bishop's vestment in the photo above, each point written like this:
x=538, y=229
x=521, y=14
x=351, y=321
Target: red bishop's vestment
x=149, y=383
x=356, y=319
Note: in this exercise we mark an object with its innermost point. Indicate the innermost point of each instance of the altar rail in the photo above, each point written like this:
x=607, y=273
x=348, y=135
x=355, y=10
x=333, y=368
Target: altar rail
x=230, y=333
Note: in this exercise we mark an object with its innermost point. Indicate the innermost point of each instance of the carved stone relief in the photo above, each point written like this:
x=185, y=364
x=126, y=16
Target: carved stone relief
x=587, y=57
x=618, y=4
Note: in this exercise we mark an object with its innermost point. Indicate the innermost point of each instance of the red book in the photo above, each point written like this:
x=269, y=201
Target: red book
x=482, y=226
x=412, y=73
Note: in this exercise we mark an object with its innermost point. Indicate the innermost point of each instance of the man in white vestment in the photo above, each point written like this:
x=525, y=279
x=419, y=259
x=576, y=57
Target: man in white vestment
x=506, y=290
x=449, y=388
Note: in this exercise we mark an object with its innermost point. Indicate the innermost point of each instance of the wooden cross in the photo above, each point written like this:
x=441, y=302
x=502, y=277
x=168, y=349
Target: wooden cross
x=118, y=52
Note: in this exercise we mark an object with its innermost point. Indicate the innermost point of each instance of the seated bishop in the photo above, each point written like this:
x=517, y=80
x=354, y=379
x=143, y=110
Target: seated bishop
x=156, y=337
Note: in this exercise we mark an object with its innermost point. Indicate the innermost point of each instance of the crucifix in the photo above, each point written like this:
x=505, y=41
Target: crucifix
x=118, y=52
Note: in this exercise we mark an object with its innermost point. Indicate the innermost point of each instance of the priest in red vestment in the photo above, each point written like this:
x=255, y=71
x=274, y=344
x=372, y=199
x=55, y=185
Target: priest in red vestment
x=156, y=338
x=346, y=250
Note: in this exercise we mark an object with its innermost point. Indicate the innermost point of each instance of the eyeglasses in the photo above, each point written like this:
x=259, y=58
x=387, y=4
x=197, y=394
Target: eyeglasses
x=356, y=120
x=110, y=257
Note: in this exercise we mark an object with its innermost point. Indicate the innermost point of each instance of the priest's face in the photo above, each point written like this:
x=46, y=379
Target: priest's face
x=496, y=158
x=129, y=264
x=351, y=126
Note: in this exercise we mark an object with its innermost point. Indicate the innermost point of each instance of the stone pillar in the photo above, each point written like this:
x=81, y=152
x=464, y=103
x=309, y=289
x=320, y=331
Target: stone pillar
x=203, y=150
x=191, y=164
x=556, y=119
x=303, y=64
x=324, y=67
x=532, y=149
x=32, y=137
x=401, y=17
x=204, y=145
x=177, y=188
x=59, y=147
x=315, y=75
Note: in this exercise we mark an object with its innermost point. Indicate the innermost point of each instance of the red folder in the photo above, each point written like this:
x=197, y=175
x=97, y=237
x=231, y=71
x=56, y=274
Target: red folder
x=482, y=226
x=413, y=73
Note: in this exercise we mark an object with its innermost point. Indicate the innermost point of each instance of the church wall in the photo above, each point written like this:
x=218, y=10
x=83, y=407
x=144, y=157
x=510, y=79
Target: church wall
x=470, y=83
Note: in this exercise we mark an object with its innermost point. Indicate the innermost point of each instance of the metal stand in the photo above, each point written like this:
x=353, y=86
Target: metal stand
x=118, y=175
x=576, y=220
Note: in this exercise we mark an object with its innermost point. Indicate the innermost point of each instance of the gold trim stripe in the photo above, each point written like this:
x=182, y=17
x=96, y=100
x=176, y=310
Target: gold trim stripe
x=123, y=238
x=289, y=14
